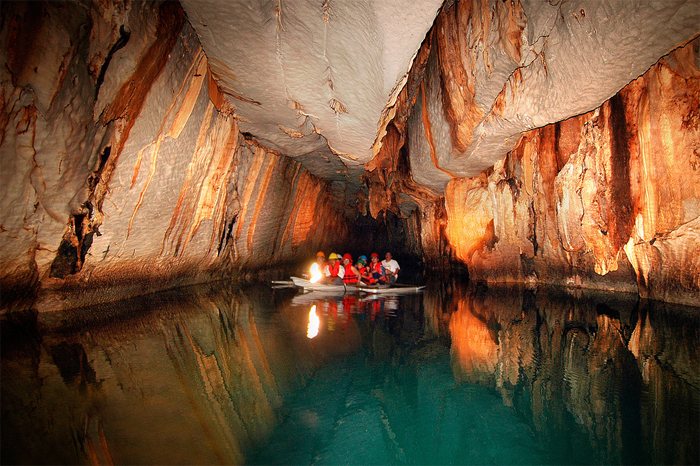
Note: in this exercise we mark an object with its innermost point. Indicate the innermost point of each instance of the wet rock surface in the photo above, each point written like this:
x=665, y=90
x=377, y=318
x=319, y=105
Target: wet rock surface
x=155, y=144
x=137, y=177
x=607, y=199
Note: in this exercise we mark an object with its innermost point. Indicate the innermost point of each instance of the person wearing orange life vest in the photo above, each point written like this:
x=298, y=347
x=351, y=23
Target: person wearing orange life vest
x=377, y=274
x=333, y=272
x=321, y=263
x=351, y=275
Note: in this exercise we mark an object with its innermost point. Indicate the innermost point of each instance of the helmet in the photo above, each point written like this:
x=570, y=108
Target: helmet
x=374, y=254
x=347, y=256
x=363, y=258
x=362, y=261
x=333, y=256
x=320, y=254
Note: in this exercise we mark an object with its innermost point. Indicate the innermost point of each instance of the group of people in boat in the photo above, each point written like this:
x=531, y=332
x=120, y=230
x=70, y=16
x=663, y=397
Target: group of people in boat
x=339, y=270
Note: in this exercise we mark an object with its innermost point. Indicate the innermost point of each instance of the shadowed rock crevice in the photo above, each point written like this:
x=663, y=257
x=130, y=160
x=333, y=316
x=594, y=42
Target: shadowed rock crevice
x=119, y=44
x=73, y=248
x=621, y=198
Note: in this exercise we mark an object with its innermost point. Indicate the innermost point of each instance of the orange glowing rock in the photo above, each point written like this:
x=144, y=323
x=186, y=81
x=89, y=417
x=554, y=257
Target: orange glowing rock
x=474, y=345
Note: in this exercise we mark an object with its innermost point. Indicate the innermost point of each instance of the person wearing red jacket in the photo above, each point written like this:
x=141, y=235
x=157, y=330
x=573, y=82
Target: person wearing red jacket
x=377, y=273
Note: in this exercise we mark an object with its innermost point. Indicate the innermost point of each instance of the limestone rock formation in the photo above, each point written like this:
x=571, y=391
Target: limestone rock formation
x=150, y=144
x=608, y=199
x=312, y=77
x=124, y=165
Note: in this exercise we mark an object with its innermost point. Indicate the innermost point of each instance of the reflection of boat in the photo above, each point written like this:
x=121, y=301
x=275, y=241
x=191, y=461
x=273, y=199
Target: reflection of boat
x=307, y=285
x=312, y=297
x=389, y=289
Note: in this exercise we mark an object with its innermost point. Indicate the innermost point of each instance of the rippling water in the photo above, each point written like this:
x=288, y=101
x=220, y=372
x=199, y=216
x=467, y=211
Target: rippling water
x=455, y=375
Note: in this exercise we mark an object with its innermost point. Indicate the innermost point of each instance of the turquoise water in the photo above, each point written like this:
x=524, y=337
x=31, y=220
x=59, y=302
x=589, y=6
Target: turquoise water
x=454, y=375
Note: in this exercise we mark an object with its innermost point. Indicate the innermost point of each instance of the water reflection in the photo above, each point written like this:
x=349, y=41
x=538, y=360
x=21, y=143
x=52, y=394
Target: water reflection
x=602, y=378
x=466, y=375
x=314, y=323
x=177, y=378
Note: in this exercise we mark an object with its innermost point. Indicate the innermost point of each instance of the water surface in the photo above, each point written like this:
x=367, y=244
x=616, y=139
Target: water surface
x=455, y=375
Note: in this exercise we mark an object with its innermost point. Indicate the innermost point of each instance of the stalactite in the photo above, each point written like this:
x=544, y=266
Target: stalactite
x=457, y=80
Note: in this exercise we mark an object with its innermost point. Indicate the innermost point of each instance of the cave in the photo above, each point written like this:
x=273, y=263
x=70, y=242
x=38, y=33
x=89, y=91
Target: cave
x=156, y=149
x=153, y=146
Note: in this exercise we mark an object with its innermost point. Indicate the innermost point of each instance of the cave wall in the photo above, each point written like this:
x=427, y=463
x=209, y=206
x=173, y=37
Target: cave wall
x=598, y=183
x=608, y=199
x=490, y=70
x=552, y=143
x=605, y=199
x=123, y=165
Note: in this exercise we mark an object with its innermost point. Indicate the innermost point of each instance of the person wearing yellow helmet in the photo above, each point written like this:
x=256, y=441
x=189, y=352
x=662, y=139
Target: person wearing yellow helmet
x=333, y=272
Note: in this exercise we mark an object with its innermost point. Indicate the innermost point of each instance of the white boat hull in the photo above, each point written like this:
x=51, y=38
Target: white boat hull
x=307, y=285
x=387, y=289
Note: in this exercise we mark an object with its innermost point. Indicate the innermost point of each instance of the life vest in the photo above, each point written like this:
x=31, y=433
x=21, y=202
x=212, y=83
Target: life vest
x=349, y=276
x=334, y=269
x=376, y=274
x=364, y=274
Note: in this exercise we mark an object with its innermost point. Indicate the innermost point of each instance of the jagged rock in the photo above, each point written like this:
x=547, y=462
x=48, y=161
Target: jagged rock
x=497, y=69
x=144, y=146
x=588, y=202
x=137, y=175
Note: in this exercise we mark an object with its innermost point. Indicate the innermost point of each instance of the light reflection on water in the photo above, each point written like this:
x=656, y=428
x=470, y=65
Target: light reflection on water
x=461, y=375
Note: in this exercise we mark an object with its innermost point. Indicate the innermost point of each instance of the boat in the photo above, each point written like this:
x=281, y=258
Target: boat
x=369, y=289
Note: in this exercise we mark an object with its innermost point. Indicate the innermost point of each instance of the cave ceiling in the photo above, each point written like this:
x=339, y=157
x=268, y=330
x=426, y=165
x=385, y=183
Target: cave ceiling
x=315, y=80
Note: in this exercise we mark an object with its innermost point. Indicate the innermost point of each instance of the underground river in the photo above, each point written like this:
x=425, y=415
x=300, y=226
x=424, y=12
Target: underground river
x=457, y=374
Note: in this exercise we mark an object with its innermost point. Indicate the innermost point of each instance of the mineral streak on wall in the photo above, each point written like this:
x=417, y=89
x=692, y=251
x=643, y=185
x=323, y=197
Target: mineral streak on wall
x=608, y=199
x=122, y=162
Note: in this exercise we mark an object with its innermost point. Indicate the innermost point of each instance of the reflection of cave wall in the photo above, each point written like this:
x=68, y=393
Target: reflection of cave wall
x=193, y=376
x=123, y=163
x=564, y=357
